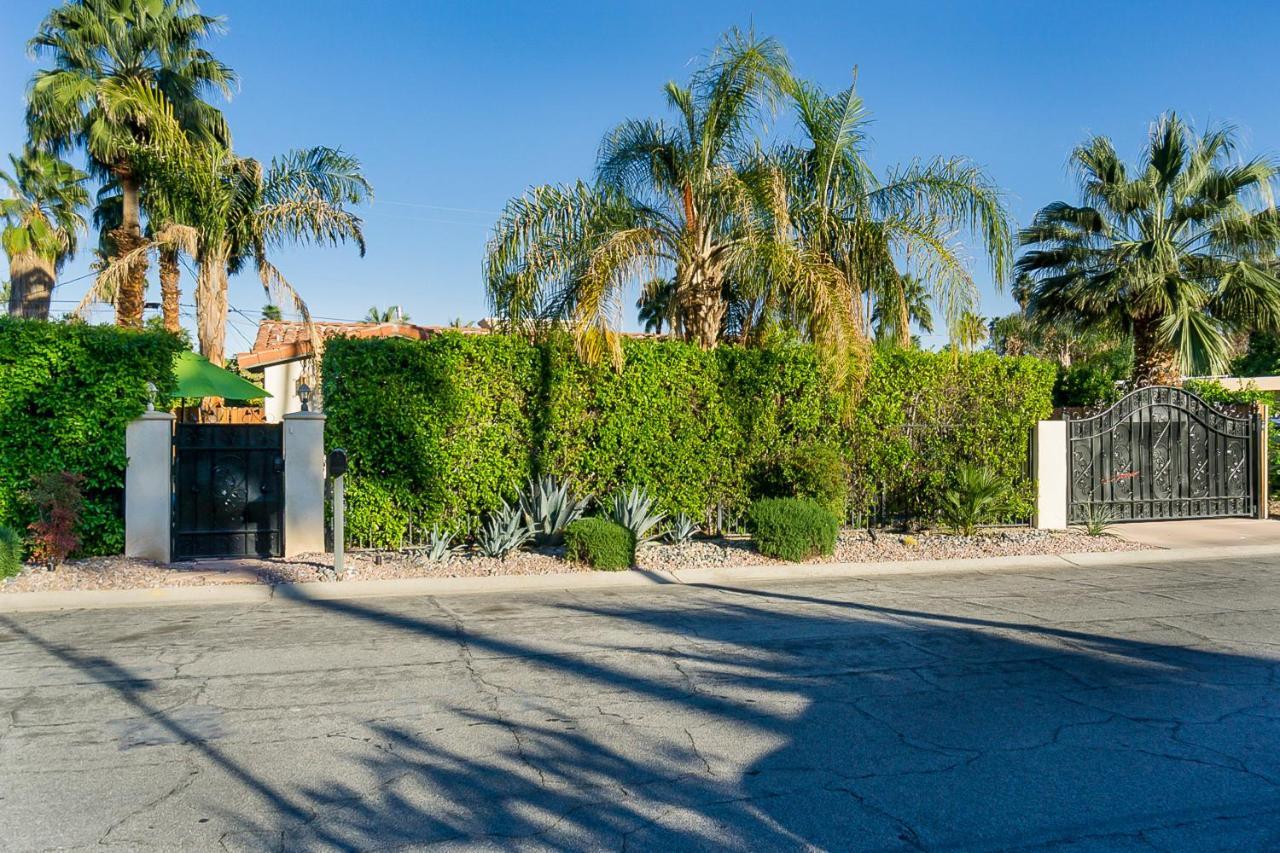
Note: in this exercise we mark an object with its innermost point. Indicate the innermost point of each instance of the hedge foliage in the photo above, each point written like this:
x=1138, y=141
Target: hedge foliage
x=602, y=544
x=67, y=392
x=10, y=552
x=792, y=529
x=441, y=431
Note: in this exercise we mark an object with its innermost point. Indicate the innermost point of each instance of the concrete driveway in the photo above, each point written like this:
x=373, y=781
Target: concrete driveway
x=1102, y=708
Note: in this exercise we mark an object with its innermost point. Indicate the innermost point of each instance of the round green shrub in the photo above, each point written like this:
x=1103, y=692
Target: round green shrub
x=10, y=552
x=792, y=529
x=600, y=544
x=809, y=470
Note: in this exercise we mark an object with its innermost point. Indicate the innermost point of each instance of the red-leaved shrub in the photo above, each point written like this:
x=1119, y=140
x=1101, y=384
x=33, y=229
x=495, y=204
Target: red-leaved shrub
x=57, y=499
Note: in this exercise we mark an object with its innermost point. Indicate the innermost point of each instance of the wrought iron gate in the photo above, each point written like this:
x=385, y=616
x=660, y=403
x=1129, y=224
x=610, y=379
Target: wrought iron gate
x=229, y=491
x=1162, y=453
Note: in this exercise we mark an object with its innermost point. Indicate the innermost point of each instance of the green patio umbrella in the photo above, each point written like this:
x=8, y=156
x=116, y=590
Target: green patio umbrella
x=198, y=377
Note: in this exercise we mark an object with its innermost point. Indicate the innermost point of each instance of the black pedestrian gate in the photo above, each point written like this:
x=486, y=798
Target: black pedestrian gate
x=229, y=491
x=1162, y=453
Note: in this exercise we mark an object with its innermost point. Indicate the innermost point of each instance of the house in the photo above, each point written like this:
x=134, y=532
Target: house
x=283, y=352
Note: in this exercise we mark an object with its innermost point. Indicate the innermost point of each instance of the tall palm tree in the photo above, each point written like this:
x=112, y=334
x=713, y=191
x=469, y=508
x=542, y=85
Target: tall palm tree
x=229, y=213
x=41, y=216
x=111, y=59
x=1178, y=252
x=679, y=200
x=893, y=313
x=867, y=227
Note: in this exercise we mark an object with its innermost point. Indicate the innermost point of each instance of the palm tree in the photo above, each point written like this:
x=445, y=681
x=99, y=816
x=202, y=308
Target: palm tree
x=41, y=216
x=679, y=200
x=229, y=212
x=657, y=306
x=892, y=317
x=107, y=216
x=968, y=332
x=111, y=62
x=390, y=315
x=866, y=225
x=1179, y=254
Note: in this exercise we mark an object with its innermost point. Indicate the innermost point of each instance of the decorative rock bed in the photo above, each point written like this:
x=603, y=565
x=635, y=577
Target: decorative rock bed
x=852, y=546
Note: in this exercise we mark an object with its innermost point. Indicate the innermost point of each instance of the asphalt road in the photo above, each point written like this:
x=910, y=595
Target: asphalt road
x=1093, y=709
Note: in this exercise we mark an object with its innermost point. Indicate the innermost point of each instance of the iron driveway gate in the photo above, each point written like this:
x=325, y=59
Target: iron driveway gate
x=1162, y=453
x=229, y=491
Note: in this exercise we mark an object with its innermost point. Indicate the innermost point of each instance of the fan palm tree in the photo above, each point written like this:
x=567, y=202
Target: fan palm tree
x=679, y=200
x=229, y=212
x=893, y=313
x=110, y=61
x=107, y=216
x=41, y=216
x=867, y=226
x=1179, y=253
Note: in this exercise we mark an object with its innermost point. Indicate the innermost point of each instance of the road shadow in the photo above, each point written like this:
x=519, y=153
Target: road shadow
x=754, y=719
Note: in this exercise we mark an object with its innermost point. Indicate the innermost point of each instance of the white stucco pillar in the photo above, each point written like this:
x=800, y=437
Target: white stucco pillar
x=303, y=483
x=1051, y=475
x=148, y=487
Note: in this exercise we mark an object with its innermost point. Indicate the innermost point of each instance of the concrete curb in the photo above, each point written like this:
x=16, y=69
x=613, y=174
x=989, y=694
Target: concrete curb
x=320, y=591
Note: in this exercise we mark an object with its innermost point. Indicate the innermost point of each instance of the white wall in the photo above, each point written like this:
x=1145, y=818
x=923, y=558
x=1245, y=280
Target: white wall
x=281, y=382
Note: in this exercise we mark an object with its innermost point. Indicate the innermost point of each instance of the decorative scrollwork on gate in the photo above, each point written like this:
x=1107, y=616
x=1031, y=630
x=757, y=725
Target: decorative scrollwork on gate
x=1162, y=452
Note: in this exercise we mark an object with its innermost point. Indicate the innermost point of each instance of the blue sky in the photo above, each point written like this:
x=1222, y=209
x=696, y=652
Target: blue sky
x=453, y=108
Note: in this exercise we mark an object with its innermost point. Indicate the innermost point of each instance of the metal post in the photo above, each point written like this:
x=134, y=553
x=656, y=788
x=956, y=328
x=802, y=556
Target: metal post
x=339, y=522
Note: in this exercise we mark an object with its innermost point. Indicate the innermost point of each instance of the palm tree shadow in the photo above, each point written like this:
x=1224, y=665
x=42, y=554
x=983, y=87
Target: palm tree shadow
x=852, y=719
x=831, y=724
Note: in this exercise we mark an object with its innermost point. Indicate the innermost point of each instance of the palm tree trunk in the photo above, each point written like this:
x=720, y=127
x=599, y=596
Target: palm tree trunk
x=127, y=237
x=211, y=308
x=904, y=318
x=169, y=291
x=31, y=286
x=704, y=310
x=1154, y=363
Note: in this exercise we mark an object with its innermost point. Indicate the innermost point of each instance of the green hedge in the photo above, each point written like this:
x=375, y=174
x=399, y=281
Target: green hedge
x=440, y=431
x=67, y=391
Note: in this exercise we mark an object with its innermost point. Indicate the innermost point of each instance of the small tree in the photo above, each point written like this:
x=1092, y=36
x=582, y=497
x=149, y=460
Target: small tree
x=57, y=499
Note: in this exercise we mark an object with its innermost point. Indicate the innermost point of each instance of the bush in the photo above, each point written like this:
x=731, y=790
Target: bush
x=600, y=543
x=812, y=470
x=792, y=528
x=977, y=495
x=10, y=552
x=67, y=392
x=437, y=431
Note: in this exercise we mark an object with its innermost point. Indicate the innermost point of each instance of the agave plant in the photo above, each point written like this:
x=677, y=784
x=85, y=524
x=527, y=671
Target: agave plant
x=503, y=532
x=1098, y=519
x=681, y=529
x=634, y=510
x=548, y=507
x=977, y=496
x=440, y=547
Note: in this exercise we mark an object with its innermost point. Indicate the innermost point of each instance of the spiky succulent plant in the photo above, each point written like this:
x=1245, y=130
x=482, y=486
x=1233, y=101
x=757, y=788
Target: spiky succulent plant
x=503, y=532
x=440, y=547
x=681, y=529
x=548, y=507
x=634, y=510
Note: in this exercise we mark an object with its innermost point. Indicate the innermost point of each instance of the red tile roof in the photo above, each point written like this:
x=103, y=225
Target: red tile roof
x=279, y=341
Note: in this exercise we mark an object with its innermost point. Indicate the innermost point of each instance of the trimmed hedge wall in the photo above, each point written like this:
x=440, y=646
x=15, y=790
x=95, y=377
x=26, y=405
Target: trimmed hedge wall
x=67, y=392
x=439, y=431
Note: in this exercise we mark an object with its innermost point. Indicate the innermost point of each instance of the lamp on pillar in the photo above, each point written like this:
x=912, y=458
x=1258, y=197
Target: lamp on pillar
x=304, y=394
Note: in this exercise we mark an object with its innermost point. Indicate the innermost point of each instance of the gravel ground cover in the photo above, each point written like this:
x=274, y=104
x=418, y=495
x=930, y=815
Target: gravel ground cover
x=852, y=546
